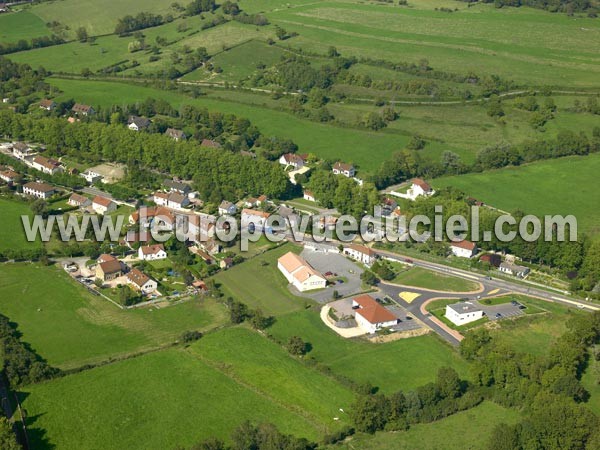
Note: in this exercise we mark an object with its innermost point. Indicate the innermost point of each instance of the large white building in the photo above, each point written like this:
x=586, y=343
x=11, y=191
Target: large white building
x=39, y=190
x=360, y=253
x=463, y=313
x=152, y=252
x=173, y=200
x=370, y=315
x=46, y=165
x=463, y=249
x=300, y=273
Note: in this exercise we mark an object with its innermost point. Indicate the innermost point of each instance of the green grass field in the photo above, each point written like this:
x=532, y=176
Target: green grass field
x=261, y=286
x=415, y=276
x=465, y=430
x=21, y=25
x=561, y=186
x=403, y=364
x=156, y=401
x=13, y=234
x=591, y=382
x=70, y=327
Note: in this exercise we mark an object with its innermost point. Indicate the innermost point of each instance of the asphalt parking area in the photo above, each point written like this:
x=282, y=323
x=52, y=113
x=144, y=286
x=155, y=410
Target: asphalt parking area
x=505, y=310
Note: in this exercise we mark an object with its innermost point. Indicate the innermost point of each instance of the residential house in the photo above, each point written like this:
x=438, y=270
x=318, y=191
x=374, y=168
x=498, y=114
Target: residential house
x=152, y=252
x=137, y=123
x=177, y=135
x=308, y=195
x=47, y=104
x=418, y=188
x=105, y=257
x=79, y=200
x=109, y=270
x=141, y=281
x=463, y=313
x=46, y=165
x=388, y=205
x=91, y=176
x=360, y=253
x=254, y=219
x=293, y=160
x=210, y=143
x=173, y=200
x=84, y=110
x=492, y=259
x=8, y=176
x=39, y=190
x=157, y=216
x=21, y=150
x=514, y=269
x=103, y=205
x=370, y=315
x=226, y=263
x=340, y=168
x=178, y=186
x=300, y=273
x=463, y=249
x=227, y=208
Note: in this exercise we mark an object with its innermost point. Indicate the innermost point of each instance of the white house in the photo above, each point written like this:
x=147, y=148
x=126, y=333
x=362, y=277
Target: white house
x=8, y=176
x=173, y=200
x=84, y=110
x=300, y=273
x=22, y=150
x=47, y=104
x=152, y=252
x=103, y=205
x=340, y=168
x=463, y=313
x=178, y=186
x=252, y=218
x=141, y=281
x=463, y=249
x=360, y=253
x=46, y=165
x=91, y=176
x=291, y=159
x=370, y=315
x=418, y=188
x=308, y=195
x=78, y=200
x=514, y=269
x=137, y=123
x=39, y=190
x=227, y=208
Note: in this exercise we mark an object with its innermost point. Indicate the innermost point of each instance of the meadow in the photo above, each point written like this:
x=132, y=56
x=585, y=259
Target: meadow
x=155, y=401
x=21, y=25
x=13, y=234
x=399, y=365
x=416, y=276
x=70, y=327
x=561, y=186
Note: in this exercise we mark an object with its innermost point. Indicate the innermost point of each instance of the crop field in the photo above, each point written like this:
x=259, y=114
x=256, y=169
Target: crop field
x=399, y=365
x=261, y=286
x=561, y=186
x=520, y=44
x=70, y=327
x=415, y=276
x=468, y=429
x=155, y=401
x=13, y=234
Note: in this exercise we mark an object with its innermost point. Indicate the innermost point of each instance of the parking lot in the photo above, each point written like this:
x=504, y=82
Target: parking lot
x=504, y=310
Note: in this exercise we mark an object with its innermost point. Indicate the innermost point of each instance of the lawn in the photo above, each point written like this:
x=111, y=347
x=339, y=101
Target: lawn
x=13, y=234
x=258, y=283
x=466, y=430
x=21, y=25
x=561, y=186
x=416, y=276
x=253, y=360
x=156, y=401
x=591, y=382
x=399, y=365
x=70, y=327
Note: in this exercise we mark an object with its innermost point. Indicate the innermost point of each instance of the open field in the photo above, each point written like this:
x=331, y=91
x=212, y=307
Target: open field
x=156, y=401
x=251, y=359
x=262, y=286
x=526, y=45
x=416, y=276
x=561, y=186
x=21, y=25
x=403, y=364
x=465, y=430
x=13, y=234
x=70, y=327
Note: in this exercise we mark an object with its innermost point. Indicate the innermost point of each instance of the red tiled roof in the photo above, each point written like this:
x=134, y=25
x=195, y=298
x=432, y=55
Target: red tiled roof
x=467, y=245
x=421, y=183
x=102, y=201
x=372, y=311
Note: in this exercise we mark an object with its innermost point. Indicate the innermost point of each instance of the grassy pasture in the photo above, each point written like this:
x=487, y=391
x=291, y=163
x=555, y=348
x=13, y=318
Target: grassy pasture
x=521, y=44
x=465, y=430
x=13, y=234
x=403, y=364
x=156, y=401
x=21, y=25
x=561, y=186
x=415, y=276
x=70, y=327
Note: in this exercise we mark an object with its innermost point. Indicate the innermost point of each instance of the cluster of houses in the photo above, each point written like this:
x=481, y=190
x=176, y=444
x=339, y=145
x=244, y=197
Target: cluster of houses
x=109, y=268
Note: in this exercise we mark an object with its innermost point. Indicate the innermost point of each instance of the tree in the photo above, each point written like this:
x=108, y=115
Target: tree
x=368, y=278
x=369, y=413
x=416, y=143
x=82, y=34
x=280, y=33
x=259, y=321
x=494, y=108
x=39, y=208
x=8, y=440
x=190, y=336
x=296, y=346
